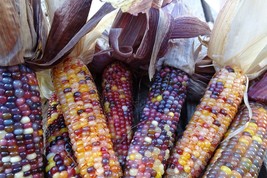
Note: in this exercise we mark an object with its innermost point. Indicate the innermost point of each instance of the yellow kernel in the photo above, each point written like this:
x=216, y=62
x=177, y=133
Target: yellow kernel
x=257, y=138
x=171, y=114
x=243, y=140
x=186, y=155
x=187, y=169
x=253, y=125
x=226, y=169
x=132, y=156
x=159, y=98
x=207, y=143
x=200, y=144
x=123, y=79
x=114, y=88
x=196, y=154
x=182, y=162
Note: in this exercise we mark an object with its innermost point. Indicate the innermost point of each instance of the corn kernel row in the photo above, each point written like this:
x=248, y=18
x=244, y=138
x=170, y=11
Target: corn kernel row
x=84, y=117
x=208, y=124
x=118, y=107
x=155, y=134
x=242, y=155
x=61, y=161
x=21, y=134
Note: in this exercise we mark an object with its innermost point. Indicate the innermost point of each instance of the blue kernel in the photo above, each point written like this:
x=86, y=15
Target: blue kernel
x=7, y=80
x=17, y=84
x=19, y=93
x=18, y=131
x=8, y=122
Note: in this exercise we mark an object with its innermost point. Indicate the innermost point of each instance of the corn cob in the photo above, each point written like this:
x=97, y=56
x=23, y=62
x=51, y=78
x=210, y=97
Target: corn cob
x=88, y=131
x=155, y=135
x=242, y=155
x=21, y=139
x=118, y=107
x=61, y=161
x=208, y=124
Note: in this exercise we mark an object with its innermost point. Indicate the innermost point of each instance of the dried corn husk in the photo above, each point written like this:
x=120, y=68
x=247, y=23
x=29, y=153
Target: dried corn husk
x=136, y=6
x=22, y=32
x=239, y=38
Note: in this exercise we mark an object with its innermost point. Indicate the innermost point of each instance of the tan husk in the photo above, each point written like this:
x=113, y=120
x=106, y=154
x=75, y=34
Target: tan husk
x=239, y=38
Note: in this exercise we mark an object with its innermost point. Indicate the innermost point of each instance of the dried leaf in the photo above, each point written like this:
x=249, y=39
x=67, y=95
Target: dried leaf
x=67, y=21
x=18, y=37
x=238, y=37
x=104, y=10
x=45, y=83
x=162, y=31
x=188, y=27
x=131, y=6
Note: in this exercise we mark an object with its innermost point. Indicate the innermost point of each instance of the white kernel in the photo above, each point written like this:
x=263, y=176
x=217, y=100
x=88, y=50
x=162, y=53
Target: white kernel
x=6, y=159
x=2, y=134
x=18, y=174
x=124, y=108
x=148, y=139
x=25, y=119
x=155, y=123
x=133, y=172
x=15, y=159
x=31, y=156
x=26, y=167
x=28, y=131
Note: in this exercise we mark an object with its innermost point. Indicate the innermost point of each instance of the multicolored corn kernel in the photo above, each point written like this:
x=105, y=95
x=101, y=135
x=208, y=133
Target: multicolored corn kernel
x=208, y=124
x=84, y=117
x=21, y=134
x=242, y=155
x=155, y=134
x=118, y=107
x=61, y=161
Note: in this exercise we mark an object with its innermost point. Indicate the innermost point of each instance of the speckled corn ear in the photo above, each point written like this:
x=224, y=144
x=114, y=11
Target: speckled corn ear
x=155, y=134
x=242, y=155
x=208, y=124
x=21, y=134
x=118, y=107
x=84, y=117
x=61, y=161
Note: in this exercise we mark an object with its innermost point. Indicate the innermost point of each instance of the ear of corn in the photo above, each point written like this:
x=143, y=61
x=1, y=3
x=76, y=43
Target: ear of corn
x=208, y=124
x=118, y=107
x=242, y=155
x=61, y=161
x=155, y=134
x=21, y=139
x=88, y=131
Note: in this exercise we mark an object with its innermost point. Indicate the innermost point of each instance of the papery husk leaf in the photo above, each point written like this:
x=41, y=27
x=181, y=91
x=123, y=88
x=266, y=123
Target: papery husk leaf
x=176, y=9
x=45, y=83
x=52, y=6
x=124, y=39
x=188, y=27
x=134, y=45
x=181, y=53
x=18, y=38
x=131, y=6
x=67, y=21
x=162, y=31
x=104, y=10
x=86, y=51
x=239, y=37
